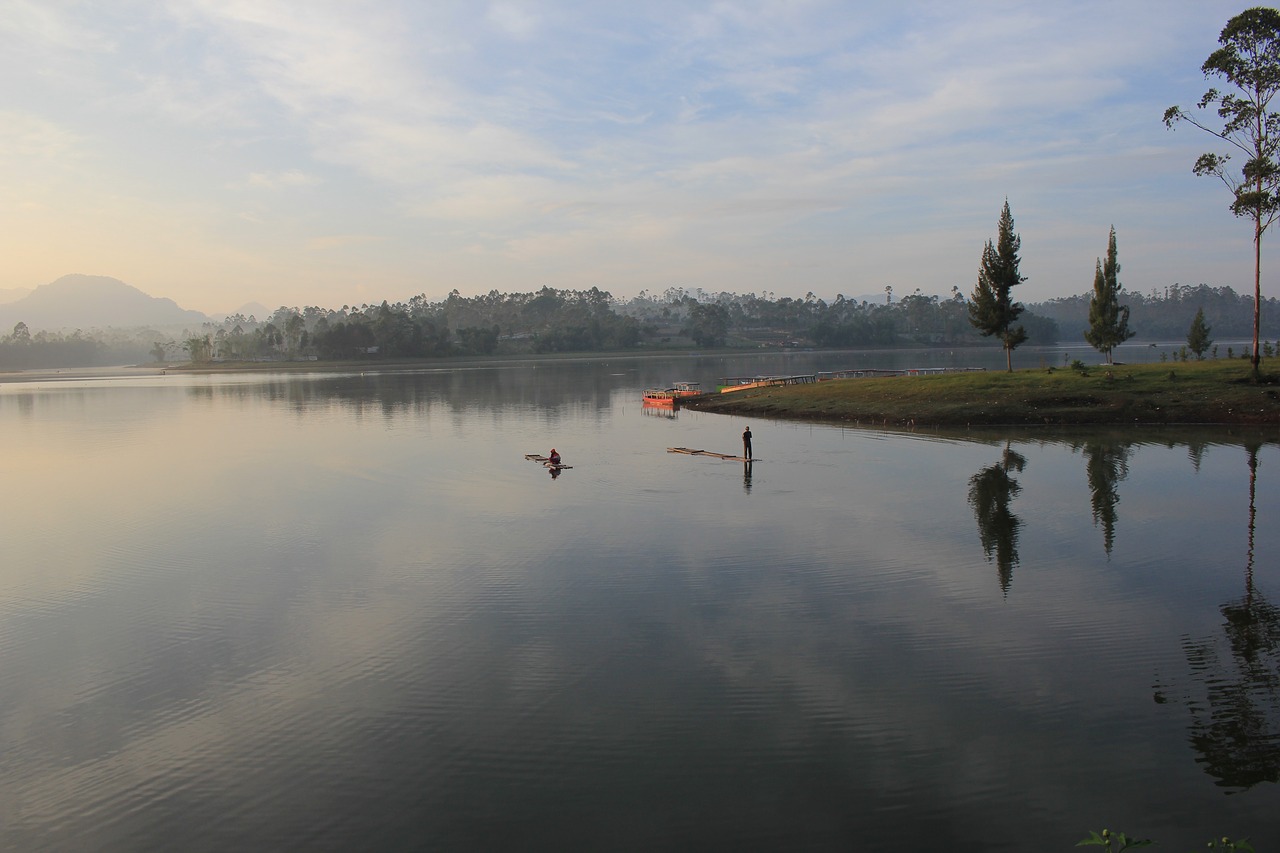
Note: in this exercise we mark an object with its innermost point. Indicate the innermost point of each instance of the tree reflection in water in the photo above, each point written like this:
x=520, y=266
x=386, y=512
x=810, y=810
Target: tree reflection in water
x=991, y=491
x=1236, y=728
x=1106, y=464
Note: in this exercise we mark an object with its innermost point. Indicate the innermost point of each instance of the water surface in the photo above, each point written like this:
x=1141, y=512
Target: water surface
x=263, y=611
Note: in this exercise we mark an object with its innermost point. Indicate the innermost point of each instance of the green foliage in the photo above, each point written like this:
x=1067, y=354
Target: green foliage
x=708, y=325
x=1198, y=340
x=1079, y=367
x=53, y=349
x=992, y=310
x=199, y=348
x=1108, y=319
x=858, y=328
x=477, y=340
x=1163, y=313
x=1118, y=841
x=1114, y=842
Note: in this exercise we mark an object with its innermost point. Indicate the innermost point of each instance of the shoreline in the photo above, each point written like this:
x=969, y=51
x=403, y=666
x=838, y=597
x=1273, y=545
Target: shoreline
x=1215, y=392
x=1211, y=392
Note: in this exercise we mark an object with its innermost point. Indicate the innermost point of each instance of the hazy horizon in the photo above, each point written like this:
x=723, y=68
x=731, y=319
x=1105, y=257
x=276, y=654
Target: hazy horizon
x=220, y=153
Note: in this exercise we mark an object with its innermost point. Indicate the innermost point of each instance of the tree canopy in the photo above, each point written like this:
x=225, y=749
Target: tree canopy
x=992, y=310
x=1198, y=340
x=1108, y=319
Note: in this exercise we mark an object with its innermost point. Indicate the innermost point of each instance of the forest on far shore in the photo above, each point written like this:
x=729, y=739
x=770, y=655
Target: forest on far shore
x=562, y=321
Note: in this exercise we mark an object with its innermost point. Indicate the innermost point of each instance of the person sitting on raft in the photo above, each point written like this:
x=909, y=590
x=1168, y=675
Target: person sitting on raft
x=554, y=458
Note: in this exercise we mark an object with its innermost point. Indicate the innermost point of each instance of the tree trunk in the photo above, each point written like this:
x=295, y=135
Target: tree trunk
x=1257, y=293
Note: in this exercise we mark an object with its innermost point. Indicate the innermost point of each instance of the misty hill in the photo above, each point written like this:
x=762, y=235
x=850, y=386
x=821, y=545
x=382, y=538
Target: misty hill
x=93, y=301
x=12, y=294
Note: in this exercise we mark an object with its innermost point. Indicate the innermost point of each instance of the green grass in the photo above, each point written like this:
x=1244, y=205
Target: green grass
x=1205, y=392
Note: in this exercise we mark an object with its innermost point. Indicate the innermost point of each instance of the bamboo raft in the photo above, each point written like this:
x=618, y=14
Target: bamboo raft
x=546, y=460
x=690, y=452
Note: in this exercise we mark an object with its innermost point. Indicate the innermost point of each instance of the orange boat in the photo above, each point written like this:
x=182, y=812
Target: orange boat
x=685, y=389
x=669, y=397
x=663, y=399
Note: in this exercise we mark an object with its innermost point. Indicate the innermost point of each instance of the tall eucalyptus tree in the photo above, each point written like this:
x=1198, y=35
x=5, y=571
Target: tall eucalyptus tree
x=1249, y=60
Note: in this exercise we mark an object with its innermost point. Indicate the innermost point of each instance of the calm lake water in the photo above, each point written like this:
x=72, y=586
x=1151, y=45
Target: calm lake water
x=268, y=611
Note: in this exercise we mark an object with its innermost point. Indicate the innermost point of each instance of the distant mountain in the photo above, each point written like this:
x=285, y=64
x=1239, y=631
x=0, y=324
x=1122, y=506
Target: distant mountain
x=93, y=301
x=13, y=294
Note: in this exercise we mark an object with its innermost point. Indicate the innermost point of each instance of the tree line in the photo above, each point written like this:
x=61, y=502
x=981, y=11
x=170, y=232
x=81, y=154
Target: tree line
x=556, y=321
x=23, y=349
x=560, y=321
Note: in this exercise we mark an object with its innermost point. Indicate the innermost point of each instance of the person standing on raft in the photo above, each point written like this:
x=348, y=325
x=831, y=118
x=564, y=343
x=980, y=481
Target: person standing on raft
x=746, y=442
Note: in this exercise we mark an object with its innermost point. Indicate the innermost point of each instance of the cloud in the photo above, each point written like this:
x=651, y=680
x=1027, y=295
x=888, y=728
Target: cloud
x=278, y=180
x=752, y=128
x=514, y=20
x=30, y=142
x=339, y=241
x=41, y=26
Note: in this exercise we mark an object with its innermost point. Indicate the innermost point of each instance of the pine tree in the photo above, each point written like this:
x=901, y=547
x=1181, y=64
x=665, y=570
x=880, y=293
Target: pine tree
x=992, y=310
x=1108, y=319
x=1198, y=340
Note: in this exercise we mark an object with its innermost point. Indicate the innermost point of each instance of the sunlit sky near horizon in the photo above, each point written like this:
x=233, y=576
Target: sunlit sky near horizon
x=221, y=152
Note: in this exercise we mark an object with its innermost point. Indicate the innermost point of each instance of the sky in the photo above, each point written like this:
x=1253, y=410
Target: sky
x=333, y=152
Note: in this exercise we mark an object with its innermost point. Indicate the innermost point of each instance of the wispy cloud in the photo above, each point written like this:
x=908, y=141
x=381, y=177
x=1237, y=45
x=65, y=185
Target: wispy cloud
x=28, y=141
x=339, y=241
x=277, y=180
x=697, y=143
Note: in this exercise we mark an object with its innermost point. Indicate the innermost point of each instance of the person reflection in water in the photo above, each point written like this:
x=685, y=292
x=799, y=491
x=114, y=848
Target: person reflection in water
x=555, y=472
x=746, y=476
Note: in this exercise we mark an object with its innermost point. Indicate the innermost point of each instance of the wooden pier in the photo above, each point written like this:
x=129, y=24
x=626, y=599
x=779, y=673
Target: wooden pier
x=730, y=384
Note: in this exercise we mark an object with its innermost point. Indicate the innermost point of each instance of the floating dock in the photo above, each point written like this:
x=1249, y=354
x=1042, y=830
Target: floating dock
x=730, y=384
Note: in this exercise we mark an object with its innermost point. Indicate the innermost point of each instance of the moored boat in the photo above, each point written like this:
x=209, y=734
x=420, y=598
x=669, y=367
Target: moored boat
x=657, y=397
x=670, y=397
x=685, y=389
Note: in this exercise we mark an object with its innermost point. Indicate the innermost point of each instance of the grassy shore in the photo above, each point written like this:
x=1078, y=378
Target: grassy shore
x=1206, y=392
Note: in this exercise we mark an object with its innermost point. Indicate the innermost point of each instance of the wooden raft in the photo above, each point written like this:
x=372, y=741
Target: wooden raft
x=689, y=452
x=545, y=460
